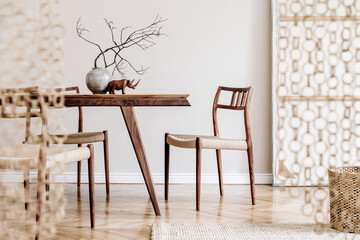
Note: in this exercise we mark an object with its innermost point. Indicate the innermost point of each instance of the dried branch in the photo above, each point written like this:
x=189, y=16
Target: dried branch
x=80, y=32
x=121, y=33
x=122, y=59
x=111, y=27
x=120, y=68
x=140, y=72
x=143, y=38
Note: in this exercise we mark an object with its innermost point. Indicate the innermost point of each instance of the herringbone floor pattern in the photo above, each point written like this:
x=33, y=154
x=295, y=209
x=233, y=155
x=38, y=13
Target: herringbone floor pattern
x=128, y=213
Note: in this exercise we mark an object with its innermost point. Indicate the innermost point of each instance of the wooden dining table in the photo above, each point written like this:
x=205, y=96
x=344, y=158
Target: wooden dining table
x=127, y=104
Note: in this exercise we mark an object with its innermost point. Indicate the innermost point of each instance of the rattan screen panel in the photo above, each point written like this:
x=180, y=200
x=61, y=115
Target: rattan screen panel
x=316, y=88
x=31, y=54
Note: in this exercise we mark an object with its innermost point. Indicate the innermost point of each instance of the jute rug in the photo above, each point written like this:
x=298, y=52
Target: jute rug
x=202, y=231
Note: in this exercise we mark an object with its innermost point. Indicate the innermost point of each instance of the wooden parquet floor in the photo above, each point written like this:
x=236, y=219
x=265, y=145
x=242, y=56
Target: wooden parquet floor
x=128, y=213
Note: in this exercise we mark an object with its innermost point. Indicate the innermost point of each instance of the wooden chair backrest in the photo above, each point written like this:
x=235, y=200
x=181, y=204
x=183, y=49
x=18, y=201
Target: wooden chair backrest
x=69, y=89
x=15, y=103
x=18, y=103
x=240, y=100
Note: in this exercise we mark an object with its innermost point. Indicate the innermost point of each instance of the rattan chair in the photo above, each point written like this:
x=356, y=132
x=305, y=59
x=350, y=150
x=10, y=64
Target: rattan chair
x=41, y=157
x=240, y=101
x=81, y=137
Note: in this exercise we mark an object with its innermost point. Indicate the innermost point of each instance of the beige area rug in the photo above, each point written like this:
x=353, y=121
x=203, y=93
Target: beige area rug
x=202, y=231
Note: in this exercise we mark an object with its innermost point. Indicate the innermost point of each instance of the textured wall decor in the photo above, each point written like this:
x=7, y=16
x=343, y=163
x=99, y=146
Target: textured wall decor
x=31, y=55
x=316, y=89
x=30, y=47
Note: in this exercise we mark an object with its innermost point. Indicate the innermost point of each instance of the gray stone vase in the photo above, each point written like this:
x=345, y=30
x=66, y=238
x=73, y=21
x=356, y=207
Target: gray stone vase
x=97, y=80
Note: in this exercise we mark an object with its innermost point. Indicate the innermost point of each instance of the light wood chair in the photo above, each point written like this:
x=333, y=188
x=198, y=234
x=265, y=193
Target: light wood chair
x=240, y=100
x=81, y=137
x=41, y=157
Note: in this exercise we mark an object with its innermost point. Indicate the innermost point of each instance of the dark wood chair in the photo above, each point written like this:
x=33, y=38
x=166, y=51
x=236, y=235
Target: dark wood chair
x=240, y=100
x=81, y=137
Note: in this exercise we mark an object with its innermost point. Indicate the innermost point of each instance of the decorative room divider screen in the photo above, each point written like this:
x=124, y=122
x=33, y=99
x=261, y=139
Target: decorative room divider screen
x=316, y=88
x=31, y=54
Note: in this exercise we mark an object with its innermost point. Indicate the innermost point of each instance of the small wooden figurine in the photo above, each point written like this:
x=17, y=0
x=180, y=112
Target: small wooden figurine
x=121, y=85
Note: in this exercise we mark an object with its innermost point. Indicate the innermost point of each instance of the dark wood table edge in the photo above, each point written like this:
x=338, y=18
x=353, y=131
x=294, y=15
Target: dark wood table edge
x=125, y=100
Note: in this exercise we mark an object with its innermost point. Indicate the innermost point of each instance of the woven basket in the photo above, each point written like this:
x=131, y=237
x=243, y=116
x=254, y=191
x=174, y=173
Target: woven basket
x=344, y=188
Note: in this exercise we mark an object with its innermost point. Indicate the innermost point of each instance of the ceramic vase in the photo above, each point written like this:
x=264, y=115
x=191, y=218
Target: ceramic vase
x=97, y=80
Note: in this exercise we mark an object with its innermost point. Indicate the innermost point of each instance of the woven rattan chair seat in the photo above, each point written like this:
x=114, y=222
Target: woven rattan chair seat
x=26, y=156
x=83, y=137
x=207, y=142
x=73, y=138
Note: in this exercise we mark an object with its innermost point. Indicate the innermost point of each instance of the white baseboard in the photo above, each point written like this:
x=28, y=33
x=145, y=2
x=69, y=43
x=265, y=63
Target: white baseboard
x=71, y=177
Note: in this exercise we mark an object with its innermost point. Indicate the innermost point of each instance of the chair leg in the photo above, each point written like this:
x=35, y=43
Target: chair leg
x=219, y=164
x=106, y=161
x=251, y=173
x=26, y=188
x=47, y=184
x=91, y=185
x=40, y=200
x=198, y=172
x=167, y=165
x=79, y=170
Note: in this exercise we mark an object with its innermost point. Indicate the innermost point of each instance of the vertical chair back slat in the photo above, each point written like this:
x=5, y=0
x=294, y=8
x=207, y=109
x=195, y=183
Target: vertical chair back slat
x=244, y=98
x=239, y=99
x=232, y=103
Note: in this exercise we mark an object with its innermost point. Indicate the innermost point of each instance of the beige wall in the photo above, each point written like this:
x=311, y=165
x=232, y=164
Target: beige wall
x=209, y=43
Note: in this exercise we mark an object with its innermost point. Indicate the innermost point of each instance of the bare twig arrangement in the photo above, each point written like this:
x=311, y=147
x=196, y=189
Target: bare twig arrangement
x=143, y=38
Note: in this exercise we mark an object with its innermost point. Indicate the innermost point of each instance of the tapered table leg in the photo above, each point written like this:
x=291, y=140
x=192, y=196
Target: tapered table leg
x=132, y=127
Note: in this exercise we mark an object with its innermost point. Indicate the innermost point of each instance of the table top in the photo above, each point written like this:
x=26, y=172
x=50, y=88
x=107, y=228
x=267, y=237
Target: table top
x=126, y=100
